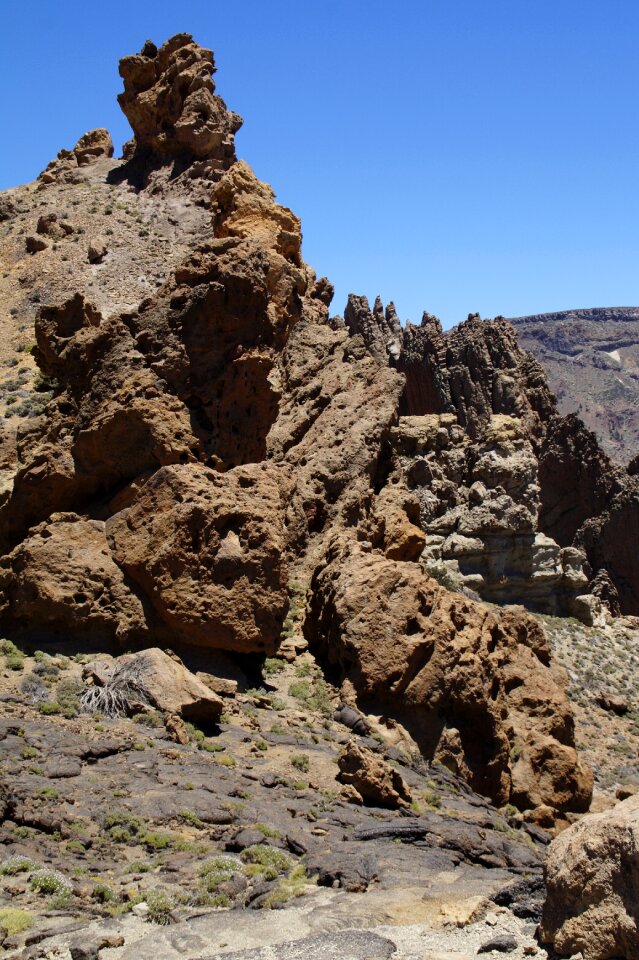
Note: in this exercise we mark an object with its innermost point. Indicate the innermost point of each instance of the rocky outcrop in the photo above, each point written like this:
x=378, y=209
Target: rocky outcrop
x=63, y=577
x=169, y=100
x=374, y=781
x=610, y=541
x=591, y=882
x=577, y=480
x=467, y=682
x=479, y=510
x=90, y=147
x=206, y=549
x=506, y=510
x=225, y=438
x=177, y=118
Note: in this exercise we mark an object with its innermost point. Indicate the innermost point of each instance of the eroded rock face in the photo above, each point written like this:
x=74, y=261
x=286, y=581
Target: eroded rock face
x=610, y=541
x=207, y=550
x=593, y=886
x=474, y=371
x=170, y=101
x=479, y=509
x=376, y=782
x=520, y=509
x=64, y=571
x=439, y=662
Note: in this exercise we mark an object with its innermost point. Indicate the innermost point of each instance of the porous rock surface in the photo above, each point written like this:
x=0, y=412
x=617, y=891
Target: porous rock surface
x=592, y=886
x=370, y=777
x=169, y=99
x=475, y=688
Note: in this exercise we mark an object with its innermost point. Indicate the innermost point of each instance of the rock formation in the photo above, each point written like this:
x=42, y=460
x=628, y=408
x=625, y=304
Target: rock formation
x=465, y=681
x=223, y=437
x=371, y=779
x=510, y=492
x=591, y=879
x=88, y=149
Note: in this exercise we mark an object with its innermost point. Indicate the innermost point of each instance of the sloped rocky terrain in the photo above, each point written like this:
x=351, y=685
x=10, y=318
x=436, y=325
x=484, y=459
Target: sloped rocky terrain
x=592, y=361
x=285, y=596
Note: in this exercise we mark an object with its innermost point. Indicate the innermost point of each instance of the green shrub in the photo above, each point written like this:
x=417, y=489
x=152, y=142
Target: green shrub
x=226, y=760
x=7, y=647
x=189, y=817
x=300, y=761
x=138, y=866
x=17, y=864
x=67, y=695
x=15, y=921
x=150, y=718
x=156, y=840
x=273, y=665
x=289, y=888
x=14, y=662
x=103, y=894
x=265, y=861
x=50, y=793
x=48, y=709
x=267, y=831
x=122, y=826
x=312, y=694
x=160, y=905
x=75, y=846
x=49, y=882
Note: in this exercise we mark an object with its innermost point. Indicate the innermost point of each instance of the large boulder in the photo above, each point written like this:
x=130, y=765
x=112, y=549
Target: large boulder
x=207, y=550
x=162, y=681
x=592, y=882
x=63, y=580
x=439, y=663
x=375, y=781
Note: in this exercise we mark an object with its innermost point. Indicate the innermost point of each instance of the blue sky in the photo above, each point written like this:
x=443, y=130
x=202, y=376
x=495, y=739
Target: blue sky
x=452, y=155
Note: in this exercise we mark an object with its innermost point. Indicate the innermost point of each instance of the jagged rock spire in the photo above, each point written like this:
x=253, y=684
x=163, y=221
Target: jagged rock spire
x=170, y=101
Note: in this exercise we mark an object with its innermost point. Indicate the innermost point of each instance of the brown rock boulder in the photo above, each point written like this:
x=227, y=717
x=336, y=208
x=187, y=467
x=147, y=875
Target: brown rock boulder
x=376, y=782
x=163, y=682
x=169, y=100
x=97, y=250
x=35, y=244
x=435, y=660
x=62, y=578
x=592, y=883
x=396, y=514
x=206, y=549
x=93, y=145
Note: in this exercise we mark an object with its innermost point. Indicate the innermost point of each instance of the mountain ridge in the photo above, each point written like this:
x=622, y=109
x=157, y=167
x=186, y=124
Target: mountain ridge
x=591, y=356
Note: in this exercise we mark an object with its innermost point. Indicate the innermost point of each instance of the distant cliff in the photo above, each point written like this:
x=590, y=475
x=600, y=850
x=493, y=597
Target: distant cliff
x=592, y=361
